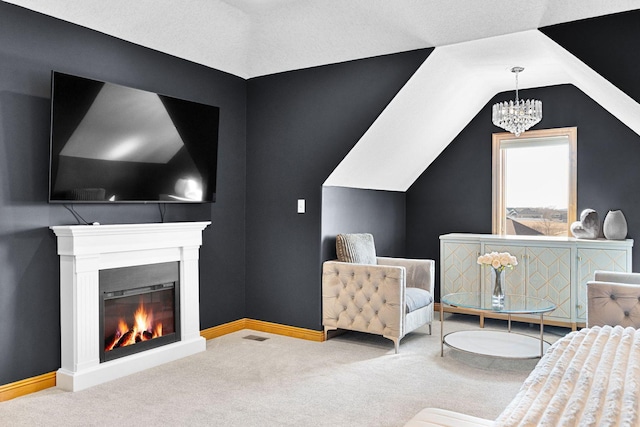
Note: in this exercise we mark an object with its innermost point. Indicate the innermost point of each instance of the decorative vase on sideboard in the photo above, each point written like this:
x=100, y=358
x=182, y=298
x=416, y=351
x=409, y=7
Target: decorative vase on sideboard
x=615, y=225
x=497, y=296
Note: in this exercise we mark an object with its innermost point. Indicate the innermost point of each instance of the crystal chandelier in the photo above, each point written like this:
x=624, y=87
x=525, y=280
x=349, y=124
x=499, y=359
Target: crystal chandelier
x=519, y=115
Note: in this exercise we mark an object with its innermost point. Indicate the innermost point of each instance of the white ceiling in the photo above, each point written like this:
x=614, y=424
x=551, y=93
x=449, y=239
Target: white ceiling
x=476, y=43
x=250, y=38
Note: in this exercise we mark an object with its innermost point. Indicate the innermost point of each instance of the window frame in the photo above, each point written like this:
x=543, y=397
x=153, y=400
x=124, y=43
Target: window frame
x=498, y=217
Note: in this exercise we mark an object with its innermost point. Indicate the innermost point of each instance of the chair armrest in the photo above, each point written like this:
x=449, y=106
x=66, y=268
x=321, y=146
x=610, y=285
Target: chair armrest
x=367, y=298
x=616, y=277
x=420, y=272
x=610, y=303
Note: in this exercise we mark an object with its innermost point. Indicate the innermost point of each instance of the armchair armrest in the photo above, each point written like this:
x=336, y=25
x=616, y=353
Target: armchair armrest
x=362, y=297
x=420, y=272
x=616, y=277
x=610, y=303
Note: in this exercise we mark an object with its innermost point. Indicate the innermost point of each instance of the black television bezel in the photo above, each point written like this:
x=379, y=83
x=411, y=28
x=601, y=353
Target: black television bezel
x=213, y=194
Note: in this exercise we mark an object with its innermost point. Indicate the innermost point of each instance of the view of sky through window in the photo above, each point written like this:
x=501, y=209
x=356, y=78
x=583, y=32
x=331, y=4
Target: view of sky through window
x=534, y=177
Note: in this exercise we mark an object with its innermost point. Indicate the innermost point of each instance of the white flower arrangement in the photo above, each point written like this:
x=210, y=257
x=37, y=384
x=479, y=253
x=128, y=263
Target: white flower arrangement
x=499, y=261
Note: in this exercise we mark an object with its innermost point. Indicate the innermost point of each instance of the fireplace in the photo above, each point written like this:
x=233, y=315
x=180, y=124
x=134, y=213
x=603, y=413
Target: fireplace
x=120, y=272
x=139, y=308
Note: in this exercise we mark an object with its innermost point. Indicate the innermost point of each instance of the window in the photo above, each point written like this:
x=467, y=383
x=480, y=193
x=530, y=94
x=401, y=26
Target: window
x=534, y=182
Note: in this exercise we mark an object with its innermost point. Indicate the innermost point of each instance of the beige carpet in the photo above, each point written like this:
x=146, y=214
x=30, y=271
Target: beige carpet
x=350, y=380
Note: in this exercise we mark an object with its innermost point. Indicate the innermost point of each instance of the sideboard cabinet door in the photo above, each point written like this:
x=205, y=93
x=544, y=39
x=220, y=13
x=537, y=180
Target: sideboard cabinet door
x=549, y=277
x=542, y=272
x=460, y=271
x=590, y=260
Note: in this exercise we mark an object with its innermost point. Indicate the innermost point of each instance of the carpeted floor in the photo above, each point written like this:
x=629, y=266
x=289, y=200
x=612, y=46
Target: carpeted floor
x=350, y=380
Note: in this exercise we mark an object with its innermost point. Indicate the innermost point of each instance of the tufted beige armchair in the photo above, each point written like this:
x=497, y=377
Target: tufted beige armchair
x=378, y=295
x=613, y=298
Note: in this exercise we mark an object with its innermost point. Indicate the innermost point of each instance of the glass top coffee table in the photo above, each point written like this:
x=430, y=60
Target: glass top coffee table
x=504, y=344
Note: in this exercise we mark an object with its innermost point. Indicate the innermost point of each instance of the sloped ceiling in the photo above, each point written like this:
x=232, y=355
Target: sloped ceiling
x=449, y=89
x=476, y=43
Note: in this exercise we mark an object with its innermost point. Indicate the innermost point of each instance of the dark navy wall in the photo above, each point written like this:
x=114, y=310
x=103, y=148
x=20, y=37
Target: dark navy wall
x=354, y=210
x=31, y=45
x=301, y=124
x=607, y=44
x=454, y=193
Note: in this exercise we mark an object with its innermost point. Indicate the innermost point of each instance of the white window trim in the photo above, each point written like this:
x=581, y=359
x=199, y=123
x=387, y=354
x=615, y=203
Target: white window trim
x=497, y=165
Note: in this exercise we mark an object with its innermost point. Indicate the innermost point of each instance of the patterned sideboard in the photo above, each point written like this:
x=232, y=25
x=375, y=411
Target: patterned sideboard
x=554, y=268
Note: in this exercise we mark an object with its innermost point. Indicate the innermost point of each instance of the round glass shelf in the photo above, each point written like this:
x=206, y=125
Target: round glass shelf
x=513, y=304
x=508, y=345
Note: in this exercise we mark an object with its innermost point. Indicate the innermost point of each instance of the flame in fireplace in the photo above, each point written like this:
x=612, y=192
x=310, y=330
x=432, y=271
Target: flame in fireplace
x=143, y=329
x=142, y=319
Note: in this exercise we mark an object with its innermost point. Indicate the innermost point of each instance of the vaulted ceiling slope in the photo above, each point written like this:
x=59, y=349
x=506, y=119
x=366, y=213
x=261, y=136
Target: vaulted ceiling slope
x=595, y=55
x=476, y=43
x=446, y=93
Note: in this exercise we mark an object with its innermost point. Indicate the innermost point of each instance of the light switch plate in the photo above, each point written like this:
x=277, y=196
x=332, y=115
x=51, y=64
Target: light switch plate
x=301, y=206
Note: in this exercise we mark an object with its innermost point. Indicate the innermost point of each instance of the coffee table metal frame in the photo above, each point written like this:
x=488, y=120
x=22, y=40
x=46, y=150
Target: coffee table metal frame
x=513, y=304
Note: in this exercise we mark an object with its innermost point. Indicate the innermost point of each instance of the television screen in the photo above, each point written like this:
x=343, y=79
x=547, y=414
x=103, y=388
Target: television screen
x=111, y=143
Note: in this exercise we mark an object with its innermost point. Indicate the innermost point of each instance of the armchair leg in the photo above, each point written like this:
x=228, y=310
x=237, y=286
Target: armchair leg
x=326, y=332
x=396, y=342
x=429, y=328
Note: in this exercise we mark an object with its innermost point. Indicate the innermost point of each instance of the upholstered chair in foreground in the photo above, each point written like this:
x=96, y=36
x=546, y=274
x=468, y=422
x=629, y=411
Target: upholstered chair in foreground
x=613, y=298
x=378, y=295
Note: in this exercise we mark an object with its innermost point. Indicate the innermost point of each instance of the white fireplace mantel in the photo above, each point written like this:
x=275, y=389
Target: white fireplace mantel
x=85, y=250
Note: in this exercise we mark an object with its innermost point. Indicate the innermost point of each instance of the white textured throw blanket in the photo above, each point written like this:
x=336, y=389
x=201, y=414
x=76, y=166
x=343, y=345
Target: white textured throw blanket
x=590, y=377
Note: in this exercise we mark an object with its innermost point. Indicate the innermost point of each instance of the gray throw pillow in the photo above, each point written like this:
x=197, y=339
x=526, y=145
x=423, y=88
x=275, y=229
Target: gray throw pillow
x=356, y=248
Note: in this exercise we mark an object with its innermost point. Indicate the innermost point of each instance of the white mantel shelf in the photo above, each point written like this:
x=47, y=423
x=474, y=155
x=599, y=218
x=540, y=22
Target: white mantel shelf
x=85, y=250
x=87, y=239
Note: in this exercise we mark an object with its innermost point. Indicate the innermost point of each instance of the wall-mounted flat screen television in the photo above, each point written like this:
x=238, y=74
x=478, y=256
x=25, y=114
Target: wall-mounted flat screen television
x=117, y=144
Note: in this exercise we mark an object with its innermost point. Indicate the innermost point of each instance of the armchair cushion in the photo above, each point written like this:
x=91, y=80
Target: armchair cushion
x=356, y=248
x=416, y=298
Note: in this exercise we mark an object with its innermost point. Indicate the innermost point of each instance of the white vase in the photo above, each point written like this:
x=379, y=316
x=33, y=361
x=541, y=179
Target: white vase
x=615, y=225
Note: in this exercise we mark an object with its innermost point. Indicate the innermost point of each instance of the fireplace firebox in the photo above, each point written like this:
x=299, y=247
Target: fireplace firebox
x=139, y=308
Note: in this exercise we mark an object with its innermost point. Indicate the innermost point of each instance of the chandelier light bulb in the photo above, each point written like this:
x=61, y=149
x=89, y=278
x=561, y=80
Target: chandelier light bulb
x=519, y=115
